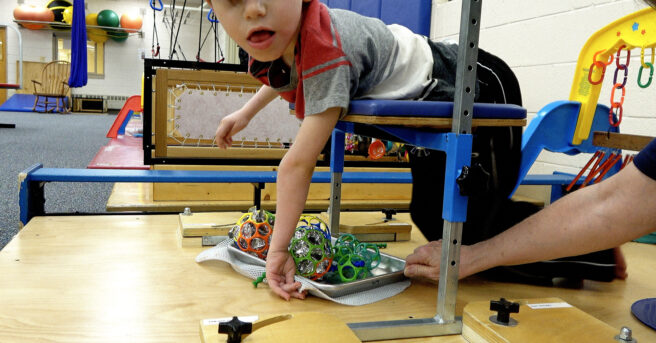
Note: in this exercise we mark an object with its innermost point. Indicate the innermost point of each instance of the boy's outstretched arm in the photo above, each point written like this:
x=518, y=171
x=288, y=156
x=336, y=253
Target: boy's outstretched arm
x=594, y=218
x=237, y=121
x=294, y=178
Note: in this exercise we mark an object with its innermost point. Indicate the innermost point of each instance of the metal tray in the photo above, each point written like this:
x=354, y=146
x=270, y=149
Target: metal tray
x=390, y=270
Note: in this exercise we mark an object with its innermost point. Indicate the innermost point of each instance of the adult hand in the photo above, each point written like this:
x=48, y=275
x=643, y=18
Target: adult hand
x=280, y=271
x=230, y=125
x=424, y=262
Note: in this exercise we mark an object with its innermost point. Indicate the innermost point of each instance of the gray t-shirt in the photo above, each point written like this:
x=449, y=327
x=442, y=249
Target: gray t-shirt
x=384, y=62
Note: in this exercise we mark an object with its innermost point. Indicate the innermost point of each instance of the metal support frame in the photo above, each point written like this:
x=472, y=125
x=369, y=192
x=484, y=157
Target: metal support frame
x=457, y=146
x=336, y=171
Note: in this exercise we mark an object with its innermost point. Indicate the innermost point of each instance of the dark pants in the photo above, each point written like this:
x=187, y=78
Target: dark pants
x=498, y=151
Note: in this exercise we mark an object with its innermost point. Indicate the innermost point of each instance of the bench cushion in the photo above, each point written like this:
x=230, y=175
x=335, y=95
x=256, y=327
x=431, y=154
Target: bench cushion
x=434, y=109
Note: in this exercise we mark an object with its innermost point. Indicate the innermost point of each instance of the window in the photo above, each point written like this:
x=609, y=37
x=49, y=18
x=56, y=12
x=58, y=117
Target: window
x=95, y=55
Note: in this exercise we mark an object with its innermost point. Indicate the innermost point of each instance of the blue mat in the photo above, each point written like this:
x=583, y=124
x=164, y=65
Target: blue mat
x=24, y=103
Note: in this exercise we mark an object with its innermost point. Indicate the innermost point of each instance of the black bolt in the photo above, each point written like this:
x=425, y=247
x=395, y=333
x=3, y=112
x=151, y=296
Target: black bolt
x=235, y=328
x=504, y=308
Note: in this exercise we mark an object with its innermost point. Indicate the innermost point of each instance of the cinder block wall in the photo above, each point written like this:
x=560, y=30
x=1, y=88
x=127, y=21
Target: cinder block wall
x=541, y=41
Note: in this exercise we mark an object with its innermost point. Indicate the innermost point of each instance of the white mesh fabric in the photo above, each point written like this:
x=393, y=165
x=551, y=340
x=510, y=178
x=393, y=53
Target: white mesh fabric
x=220, y=252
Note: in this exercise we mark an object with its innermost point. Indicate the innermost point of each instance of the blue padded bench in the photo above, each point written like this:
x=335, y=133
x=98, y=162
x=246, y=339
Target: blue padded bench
x=431, y=109
x=31, y=196
x=32, y=180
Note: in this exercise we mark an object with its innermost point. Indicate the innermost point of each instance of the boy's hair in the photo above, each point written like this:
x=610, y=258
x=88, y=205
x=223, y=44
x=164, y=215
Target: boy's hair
x=651, y=3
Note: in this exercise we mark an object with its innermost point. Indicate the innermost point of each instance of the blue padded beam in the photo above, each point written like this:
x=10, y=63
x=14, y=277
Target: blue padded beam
x=413, y=14
x=434, y=109
x=197, y=176
x=32, y=200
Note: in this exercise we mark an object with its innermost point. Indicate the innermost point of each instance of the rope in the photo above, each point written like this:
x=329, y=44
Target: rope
x=200, y=31
x=175, y=42
x=171, y=47
x=154, y=52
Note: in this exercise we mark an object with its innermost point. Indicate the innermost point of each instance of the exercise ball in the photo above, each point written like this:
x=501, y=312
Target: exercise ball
x=118, y=35
x=30, y=12
x=58, y=7
x=95, y=34
x=131, y=21
x=108, y=18
x=68, y=15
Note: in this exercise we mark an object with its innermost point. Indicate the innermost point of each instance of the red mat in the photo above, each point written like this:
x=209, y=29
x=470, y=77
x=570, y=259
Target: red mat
x=123, y=152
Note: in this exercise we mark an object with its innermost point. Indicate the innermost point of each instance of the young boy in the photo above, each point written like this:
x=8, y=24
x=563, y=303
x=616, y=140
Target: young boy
x=319, y=59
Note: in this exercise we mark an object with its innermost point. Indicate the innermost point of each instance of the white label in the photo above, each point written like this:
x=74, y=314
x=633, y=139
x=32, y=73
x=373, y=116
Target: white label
x=548, y=305
x=216, y=321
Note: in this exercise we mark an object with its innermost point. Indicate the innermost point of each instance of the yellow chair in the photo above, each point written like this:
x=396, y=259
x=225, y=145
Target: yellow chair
x=53, y=84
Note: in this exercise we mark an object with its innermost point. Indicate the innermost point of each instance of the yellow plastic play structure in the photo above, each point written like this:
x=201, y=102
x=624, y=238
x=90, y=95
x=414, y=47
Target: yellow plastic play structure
x=637, y=30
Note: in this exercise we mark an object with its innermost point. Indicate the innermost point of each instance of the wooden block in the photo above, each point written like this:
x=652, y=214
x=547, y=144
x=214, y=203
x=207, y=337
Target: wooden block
x=299, y=327
x=541, y=320
x=620, y=140
x=245, y=192
x=188, y=242
x=201, y=224
x=139, y=197
x=359, y=223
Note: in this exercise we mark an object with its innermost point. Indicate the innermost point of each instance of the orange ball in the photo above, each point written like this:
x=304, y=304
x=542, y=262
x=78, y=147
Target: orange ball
x=132, y=22
x=31, y=12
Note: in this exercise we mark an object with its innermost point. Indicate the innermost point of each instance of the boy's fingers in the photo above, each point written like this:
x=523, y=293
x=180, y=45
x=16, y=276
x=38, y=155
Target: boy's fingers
x=299, y=295
x=275, y=287
x=291, y=287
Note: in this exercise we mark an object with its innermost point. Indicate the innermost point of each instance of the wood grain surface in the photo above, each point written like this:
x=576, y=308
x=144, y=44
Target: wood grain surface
x=125, y=278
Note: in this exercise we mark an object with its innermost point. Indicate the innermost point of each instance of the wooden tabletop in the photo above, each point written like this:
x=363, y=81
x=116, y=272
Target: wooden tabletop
x=125, y=278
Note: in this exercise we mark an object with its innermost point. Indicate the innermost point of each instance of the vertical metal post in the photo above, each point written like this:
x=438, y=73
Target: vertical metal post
x=336, y=171
x=458, y=154
x=458, y=151
x=463, y=103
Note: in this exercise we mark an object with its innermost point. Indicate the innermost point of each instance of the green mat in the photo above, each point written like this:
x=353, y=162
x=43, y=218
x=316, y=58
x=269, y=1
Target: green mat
x=650, y=238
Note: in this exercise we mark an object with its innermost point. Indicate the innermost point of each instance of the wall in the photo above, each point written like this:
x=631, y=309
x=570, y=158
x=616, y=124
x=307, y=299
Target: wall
x=541, y=41
x=123, y=63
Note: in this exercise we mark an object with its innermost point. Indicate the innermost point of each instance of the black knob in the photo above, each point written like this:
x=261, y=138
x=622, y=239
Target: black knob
x=235, y=328
x=389, y=212
x=473, y=180
x=504, y=308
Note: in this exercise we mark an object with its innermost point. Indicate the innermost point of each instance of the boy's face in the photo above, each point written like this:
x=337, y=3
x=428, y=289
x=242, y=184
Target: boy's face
x=266, y=29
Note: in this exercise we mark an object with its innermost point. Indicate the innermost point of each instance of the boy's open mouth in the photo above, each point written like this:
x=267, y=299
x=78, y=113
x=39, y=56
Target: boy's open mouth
x=260, y=36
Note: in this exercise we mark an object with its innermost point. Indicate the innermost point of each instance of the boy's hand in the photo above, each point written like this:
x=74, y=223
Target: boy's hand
x=230, y=125
x=280, y=271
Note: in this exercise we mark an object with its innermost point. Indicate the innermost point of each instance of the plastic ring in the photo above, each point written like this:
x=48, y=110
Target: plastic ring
x=598, y=64
x=651, y=74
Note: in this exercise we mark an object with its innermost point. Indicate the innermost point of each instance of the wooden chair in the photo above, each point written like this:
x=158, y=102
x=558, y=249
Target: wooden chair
x=53, y=84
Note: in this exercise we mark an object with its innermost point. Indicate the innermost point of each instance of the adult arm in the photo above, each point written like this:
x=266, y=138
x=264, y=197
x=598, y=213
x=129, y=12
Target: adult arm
x=294, y=177
x=594, y=218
